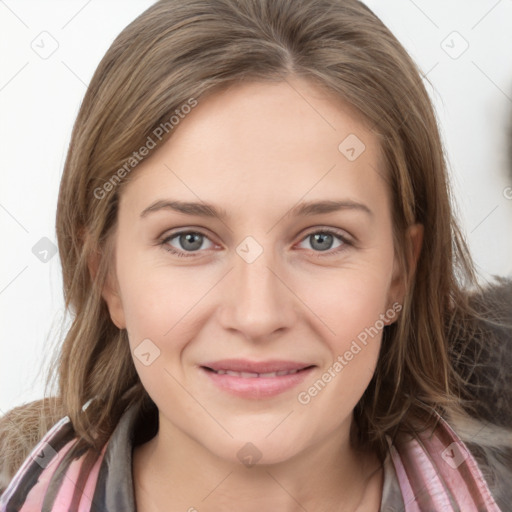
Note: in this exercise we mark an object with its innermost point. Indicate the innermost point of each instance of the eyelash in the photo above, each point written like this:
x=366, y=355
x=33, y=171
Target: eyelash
x=191, y=254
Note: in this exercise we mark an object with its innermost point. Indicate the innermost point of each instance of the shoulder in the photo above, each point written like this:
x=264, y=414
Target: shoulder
x=21, y=429
x=483, y=357
x=491, y=447
x=486, y=353
x=61, y=468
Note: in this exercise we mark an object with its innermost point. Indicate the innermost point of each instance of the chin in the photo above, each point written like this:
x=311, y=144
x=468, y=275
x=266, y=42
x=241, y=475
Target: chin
x=251, y=450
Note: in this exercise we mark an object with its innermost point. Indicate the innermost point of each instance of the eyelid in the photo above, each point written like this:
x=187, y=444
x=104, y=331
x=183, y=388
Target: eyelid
x=342, y=235
x=347, y=240
x=334, y=231
x=164, y=240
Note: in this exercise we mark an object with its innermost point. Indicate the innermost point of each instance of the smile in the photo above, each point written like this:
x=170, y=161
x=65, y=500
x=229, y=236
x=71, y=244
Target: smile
x=256, y=379
x=249, y=375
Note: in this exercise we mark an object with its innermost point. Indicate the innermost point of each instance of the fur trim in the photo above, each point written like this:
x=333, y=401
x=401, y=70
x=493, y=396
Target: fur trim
x=20, y=430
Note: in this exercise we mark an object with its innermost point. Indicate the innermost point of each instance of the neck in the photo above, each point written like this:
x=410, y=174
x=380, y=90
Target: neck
x=173, y=472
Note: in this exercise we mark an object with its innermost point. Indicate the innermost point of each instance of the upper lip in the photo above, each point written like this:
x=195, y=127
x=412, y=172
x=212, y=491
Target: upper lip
x=243, y=365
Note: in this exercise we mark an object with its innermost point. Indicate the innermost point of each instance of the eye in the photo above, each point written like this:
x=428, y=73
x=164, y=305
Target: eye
x=188, y=242
x=321, y=241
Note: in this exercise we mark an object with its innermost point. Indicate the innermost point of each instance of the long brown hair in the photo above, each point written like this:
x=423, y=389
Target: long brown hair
x=177, y=51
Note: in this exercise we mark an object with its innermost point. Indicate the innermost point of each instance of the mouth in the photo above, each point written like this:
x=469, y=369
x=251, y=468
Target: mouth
x=251, y=375
x=256, y=379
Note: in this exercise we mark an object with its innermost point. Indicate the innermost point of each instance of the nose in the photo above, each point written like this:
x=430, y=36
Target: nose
x=257, y=300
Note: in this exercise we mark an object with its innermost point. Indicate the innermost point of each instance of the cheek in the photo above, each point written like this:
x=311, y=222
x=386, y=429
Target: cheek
x=349, y=300
x=357, y=323
x=158, y=331
x=150, y=302
x=354, y=318
x=147, y=307
x=353, y=306
x=155, y=296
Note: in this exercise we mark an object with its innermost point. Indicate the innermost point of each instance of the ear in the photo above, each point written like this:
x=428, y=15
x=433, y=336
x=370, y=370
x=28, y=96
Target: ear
x=398, y=288
x=110, y=291
x=415, y=234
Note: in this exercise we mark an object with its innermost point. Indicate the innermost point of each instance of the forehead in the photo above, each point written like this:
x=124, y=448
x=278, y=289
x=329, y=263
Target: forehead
x=263, y=144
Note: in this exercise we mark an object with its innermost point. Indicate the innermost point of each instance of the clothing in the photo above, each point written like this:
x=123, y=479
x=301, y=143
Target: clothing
x=423, y=474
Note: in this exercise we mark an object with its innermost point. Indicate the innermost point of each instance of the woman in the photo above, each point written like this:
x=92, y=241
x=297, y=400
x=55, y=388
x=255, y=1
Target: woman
x=312, y=348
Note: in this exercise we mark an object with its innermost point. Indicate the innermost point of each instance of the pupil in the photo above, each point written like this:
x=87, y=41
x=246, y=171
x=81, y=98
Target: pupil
x=189, y=238
x=321, y=237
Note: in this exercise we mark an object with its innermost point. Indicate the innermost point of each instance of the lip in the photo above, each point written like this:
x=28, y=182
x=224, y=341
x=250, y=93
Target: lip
x=252, y=380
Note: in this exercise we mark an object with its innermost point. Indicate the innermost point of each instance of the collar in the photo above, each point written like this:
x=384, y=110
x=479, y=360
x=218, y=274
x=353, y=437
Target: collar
x=115, y=489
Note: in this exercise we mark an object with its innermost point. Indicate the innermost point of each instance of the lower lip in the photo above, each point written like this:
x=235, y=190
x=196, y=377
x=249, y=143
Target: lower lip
x=257, y=387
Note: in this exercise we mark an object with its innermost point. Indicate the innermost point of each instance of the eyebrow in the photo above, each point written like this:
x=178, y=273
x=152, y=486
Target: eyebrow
x=303, y=209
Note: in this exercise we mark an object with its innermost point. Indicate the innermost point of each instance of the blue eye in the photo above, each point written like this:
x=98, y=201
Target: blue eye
x=323, y=241
x=191, y=242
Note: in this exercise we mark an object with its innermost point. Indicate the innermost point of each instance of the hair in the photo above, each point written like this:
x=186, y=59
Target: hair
x=177, y=51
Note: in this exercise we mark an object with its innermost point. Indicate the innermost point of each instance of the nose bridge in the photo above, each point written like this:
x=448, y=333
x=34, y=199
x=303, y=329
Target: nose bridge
x=258, y=303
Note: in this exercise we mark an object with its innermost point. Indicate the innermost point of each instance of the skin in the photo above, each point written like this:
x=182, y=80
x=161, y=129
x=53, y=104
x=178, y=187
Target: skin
x=256, y=150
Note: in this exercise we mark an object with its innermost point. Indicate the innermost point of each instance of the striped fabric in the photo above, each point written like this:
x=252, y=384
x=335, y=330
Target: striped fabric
x=425, y=473
x=436, y=472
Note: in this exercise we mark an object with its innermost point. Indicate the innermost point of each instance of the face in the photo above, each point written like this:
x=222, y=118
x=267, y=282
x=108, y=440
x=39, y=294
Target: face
x=261, y=323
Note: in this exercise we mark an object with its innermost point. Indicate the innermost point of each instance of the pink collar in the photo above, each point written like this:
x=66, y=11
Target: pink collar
x=437, y=472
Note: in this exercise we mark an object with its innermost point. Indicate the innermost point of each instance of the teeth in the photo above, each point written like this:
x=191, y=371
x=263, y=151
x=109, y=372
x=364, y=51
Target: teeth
x=252, y=375
x=272, y=374
x=248, y=375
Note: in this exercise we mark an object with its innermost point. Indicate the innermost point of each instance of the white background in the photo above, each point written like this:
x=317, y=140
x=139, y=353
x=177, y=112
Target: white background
x=39, y=100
